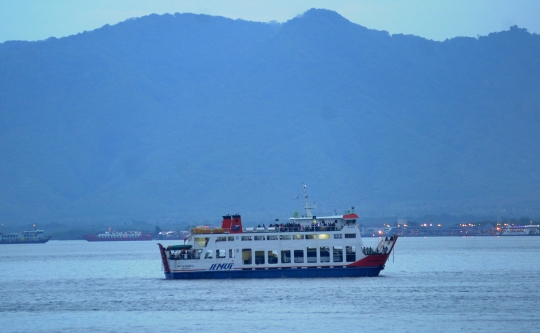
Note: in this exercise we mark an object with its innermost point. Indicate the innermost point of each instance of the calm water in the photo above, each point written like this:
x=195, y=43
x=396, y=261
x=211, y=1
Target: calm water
x=444, y=284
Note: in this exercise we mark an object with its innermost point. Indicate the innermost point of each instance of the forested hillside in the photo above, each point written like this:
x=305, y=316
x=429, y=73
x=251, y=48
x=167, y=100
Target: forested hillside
x=189, y=117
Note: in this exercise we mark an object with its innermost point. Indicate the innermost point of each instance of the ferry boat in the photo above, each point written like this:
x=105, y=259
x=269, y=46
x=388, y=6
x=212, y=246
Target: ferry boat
x=526, y=230
x=308, y=246
x=35, y=236
x=119, y=236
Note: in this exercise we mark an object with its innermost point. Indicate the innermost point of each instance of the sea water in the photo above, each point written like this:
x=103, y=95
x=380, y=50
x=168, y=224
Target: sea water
x=437, y=284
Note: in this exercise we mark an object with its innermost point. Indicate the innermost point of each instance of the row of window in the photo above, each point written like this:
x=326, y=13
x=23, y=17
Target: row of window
x=322, y=254
x=205, y=240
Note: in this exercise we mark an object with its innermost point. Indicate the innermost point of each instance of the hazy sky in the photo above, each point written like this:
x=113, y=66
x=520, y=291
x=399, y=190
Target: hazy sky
x=433, y=19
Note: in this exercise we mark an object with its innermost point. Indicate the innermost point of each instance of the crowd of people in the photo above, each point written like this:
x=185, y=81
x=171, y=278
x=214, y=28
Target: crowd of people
x=291, y=227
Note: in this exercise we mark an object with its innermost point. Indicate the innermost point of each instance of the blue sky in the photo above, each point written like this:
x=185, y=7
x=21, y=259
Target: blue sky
x=432, y=19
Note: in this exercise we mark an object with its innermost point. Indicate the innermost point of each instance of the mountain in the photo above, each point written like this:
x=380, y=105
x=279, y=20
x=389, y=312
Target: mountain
x=189, y=117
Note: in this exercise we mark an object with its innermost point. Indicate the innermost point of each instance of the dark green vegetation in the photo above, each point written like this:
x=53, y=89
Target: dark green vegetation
x=188, y=117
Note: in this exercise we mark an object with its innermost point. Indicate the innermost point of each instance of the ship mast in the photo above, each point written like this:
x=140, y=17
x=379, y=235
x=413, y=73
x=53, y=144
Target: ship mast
x=306, y=205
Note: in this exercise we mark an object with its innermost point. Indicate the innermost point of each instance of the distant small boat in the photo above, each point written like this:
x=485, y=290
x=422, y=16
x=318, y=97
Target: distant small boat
x=26, y=237
x=526, y=230
x=377, y=232
x=173, y=235
x=119, y=236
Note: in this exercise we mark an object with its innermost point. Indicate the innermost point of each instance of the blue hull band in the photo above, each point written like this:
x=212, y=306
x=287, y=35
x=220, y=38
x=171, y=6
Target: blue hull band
x=276, y=273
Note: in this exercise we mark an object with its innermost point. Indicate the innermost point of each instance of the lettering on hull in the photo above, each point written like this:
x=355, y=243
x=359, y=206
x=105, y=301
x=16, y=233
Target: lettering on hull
x=216, y=267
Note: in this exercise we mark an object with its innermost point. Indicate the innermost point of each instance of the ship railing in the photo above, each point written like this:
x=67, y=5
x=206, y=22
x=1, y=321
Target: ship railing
x=369, y=251
x=383, y=247
x=291, y=229
x=184, y=254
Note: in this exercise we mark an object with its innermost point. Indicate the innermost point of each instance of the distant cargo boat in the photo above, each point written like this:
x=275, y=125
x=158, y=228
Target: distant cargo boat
x=25, y=237
x=306, y=247
x=119, y=236
x=526, y=230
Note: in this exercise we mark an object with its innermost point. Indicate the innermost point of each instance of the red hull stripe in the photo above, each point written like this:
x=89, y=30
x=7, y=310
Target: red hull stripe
x=371, y=260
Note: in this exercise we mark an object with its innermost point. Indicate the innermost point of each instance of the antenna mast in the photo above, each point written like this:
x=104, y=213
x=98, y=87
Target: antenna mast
x=306, y=205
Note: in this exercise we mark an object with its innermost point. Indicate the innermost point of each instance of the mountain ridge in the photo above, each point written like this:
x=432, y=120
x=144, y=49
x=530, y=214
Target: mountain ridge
x=169, y=115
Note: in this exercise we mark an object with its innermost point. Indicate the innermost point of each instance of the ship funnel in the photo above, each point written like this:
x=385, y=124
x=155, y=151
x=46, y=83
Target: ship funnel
x=232, y=224
x=226, y=223
x=236, y=227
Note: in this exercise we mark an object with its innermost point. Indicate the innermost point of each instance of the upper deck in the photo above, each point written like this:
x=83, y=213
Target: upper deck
x=232, y=224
